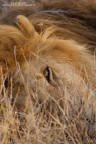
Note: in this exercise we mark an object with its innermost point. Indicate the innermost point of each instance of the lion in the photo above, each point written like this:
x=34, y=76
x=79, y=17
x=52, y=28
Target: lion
x=54, y=67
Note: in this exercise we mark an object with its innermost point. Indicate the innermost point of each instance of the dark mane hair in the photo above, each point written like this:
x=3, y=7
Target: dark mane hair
x=76, y=19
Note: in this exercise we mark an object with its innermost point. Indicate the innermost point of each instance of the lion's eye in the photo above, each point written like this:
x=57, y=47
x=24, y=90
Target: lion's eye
x=48, y=74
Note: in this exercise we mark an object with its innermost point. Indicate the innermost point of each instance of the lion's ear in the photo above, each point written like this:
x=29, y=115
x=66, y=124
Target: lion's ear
x=25, y=26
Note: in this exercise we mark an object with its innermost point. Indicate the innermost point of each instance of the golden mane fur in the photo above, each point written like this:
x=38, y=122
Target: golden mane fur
x=60, y=40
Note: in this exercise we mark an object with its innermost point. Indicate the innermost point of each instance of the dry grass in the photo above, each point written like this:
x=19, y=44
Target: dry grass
x=69, y=120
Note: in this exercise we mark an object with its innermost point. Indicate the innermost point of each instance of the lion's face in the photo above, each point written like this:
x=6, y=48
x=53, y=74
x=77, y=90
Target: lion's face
x=43, y=66
x=48, y=73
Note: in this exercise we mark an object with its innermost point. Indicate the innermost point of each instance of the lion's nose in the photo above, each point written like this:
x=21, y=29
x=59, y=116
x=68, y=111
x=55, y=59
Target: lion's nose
x=39, y=76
